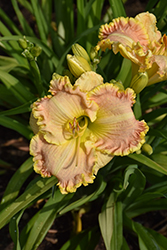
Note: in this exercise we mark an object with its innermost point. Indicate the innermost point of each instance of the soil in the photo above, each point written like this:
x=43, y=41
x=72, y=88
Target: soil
x=14, y=150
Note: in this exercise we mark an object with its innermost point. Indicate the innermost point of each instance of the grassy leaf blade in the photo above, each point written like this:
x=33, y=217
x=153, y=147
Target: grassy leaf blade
x=148, y=162
x=45, y=219
x=106, y=220
x=39, y=187
x=16, y=125
x=16, y=183
x=118, y=8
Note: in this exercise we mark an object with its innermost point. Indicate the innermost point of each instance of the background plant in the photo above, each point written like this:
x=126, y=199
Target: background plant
x=127, y=187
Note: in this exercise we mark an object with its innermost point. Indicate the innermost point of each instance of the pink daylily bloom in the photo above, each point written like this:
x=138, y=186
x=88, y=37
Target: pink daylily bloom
x=78, y=129
x=138, y=40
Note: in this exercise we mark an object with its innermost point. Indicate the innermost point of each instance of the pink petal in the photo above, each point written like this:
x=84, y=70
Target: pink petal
x=58, y=83
x=149, y=21
x=116, y=129
x=72, y=169
x=158, y=71
x=88, y=81
x=33, y=124
x=123, y=30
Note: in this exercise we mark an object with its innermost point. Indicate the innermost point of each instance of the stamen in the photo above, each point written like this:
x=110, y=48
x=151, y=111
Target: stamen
x=70, y=125
x=77, y=151
x=75, y=122
x=73, y=131
x=76, y=127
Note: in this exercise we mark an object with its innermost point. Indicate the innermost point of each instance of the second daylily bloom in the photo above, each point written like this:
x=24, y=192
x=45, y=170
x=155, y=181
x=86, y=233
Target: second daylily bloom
x=78, y=129
x=138, y=40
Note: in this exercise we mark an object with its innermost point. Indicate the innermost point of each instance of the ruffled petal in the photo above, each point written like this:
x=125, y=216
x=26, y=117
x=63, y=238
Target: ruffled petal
x=54, y=112
x=72, y=163
x=58, y=83
x=116, y=129
x=33, y=124
x=137, y=39
x=149, y=21
x=88, y=81
x=158, y=72
x=122, y=30
x=136, y=54
x=102, y=160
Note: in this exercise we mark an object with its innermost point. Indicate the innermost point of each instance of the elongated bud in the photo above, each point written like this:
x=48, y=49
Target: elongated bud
x=22, y=43
x=118, y=84
x=77, y=65
x=139, y=82
x=78, y=50
x=147, y=149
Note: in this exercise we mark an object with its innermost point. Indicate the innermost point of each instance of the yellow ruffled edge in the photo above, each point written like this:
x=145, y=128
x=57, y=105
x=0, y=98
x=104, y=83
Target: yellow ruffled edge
x=107, y=29
x=80, y=179
x=83, y=181
x=58, y=83
x=37, y=160
x=128, y=93
x=138, y=55
x=133, y=148
x=39, y=118
x=142, y=140
x=45, y=174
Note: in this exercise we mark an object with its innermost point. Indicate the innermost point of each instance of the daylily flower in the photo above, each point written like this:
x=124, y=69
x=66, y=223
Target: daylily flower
x=138, y=40
x=78, y=129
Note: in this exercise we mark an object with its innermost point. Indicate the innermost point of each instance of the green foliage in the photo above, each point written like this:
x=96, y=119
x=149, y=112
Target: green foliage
x=128, y=186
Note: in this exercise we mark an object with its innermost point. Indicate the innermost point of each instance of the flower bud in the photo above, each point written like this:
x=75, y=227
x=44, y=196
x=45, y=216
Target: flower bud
x=22, y=43
x=94, y=55
x=138, y=152
x=147, y=149
x=36, y=51
x=139, y=82
x=118, y=84
x=26, y=53
x=78, y=50
x=77, y=65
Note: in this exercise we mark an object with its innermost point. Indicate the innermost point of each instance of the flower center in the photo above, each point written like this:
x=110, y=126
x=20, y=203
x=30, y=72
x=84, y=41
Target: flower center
x=76, y=127
x=74, y=130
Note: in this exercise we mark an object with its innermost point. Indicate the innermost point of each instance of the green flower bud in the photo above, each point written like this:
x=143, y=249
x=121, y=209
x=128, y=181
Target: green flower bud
x=78, y=50
x=93, y=53
x=138, y=152
x=147, y=149
x=36, y=51
x=139, y=82
x=118, y=84
x=30, y=45
x=22, y=43
x=77, y=65
x=26, y=53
